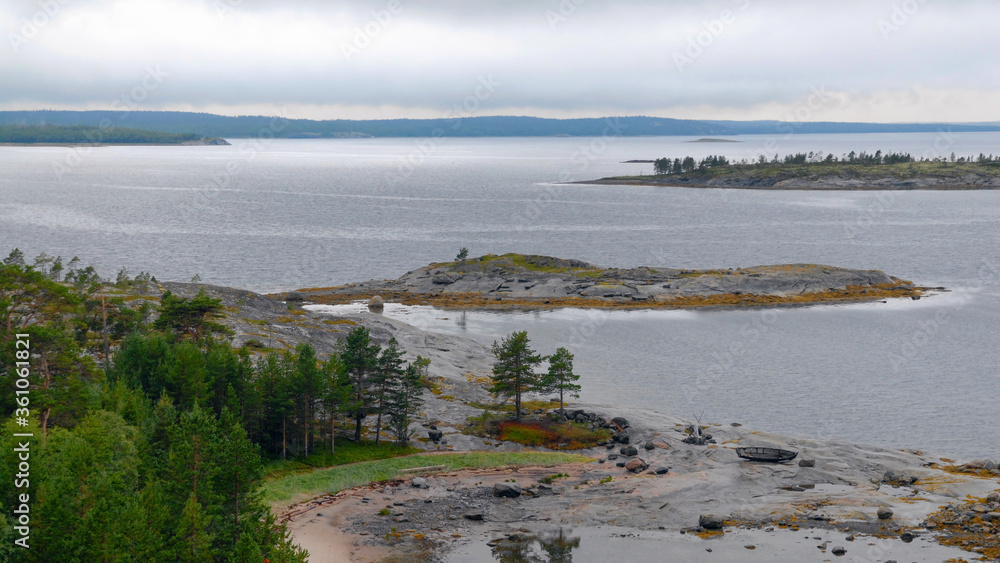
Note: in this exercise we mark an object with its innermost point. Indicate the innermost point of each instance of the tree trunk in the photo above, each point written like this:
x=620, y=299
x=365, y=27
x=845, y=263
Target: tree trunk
x=284, y=444
x=378, y=427
x=332, y=433
x=357, y=427
x=305, y=424
x=562, y=409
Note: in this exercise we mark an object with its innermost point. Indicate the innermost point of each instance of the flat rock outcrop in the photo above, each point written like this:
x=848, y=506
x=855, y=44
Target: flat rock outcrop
x=516, y=279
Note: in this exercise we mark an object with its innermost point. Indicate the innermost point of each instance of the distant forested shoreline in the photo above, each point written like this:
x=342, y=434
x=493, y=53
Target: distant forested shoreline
x=85, y=134
x=458, y=122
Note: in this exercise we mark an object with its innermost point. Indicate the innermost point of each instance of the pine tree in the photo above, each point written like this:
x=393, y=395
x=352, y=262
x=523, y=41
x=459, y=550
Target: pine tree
x=385, y=381
x=360, y=358
x=560, y=376
x=336, y=393
x=513, y=372
x=191, y=542
x=405, y=402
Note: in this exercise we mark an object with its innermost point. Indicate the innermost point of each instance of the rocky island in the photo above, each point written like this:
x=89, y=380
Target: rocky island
x=530, y=281
x=813, y=171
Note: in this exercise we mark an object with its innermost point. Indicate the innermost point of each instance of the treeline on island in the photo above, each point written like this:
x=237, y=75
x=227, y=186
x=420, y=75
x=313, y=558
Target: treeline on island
x=153, y=435
x=666, y=166
x=85, y=134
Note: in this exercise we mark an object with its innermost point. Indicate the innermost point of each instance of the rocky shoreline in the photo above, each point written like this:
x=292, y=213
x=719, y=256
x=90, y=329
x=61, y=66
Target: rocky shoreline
x=529, y=281
x=875, y=182
x=651, y=480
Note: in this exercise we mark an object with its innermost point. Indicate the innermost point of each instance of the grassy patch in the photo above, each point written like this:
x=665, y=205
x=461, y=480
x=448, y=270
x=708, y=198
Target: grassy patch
x=258, y=322
x=287, y=490
x=346, y=452
x=536, y=432
x=549, y=434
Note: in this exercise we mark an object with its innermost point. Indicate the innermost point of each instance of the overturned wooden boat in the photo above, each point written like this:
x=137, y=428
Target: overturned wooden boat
x=773, y=455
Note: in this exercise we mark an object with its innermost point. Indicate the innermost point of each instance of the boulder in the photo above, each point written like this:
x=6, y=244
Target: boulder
x=898, y=479
x=649, y=446
x=620, y=437
x=620, y=422
x=474, y=516
x=662, y=470
x=711, y=521
x=807, y=463
x=629, y=451
x=506, y=490
x=884, y=513
x=636, y=465
x=838, y=550
x=294, y=296
x=419, y=482
x=376, y=303
x=993, y=497
x=435, y=435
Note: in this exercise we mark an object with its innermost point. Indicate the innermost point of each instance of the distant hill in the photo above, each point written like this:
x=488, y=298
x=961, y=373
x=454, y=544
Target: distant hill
x=22, y=134
x=210, y=125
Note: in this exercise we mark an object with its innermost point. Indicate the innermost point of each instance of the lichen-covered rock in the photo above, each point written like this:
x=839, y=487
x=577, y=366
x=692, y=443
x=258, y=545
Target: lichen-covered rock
x=711, y=521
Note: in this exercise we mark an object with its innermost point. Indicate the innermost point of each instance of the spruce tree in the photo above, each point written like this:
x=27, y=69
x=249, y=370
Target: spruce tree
x=560, y=376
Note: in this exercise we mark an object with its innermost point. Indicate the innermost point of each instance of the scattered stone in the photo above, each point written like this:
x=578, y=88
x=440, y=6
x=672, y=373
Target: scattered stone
x=294, y=296
x=612, y=457
x=629, y=451
x=419, y=482
x=711, y=521
x=884, y=513
x=620, y=437
x=807, y=463
x=435, y=435
x=636, y=465
x=518, y=537
x=402, y=519
x=620, y=422
x=898, y=479
x=620, y=464
x=993, y=497
x=839, y=550
x=907, y=537
x=507, y=490
x=662, y=470
x=649, y=446
x=474, y=516
x=750, y=546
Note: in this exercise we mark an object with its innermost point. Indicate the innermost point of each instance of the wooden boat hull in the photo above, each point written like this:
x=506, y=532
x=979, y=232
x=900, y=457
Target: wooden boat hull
x=769, y=455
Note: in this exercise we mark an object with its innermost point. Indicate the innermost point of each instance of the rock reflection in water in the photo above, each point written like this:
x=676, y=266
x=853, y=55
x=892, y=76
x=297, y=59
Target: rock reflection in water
x=556, y=547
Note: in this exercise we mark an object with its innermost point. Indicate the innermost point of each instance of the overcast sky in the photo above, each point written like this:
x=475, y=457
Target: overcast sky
x=851, y=60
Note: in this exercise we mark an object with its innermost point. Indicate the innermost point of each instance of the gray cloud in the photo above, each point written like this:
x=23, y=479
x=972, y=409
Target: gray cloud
x=903, y=59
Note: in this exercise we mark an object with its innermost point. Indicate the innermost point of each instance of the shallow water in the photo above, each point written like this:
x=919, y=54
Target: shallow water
x=602, y=544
